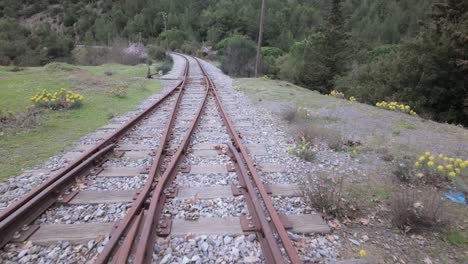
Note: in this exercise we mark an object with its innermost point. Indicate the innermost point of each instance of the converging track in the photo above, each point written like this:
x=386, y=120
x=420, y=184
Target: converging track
x=186, y=131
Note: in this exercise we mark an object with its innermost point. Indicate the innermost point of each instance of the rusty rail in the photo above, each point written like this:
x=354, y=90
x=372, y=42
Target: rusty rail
x=269, y=220
x=34, y=203
x=134, y=216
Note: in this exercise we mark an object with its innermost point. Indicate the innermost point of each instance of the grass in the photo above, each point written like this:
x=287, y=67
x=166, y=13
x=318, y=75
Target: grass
x=58, y=130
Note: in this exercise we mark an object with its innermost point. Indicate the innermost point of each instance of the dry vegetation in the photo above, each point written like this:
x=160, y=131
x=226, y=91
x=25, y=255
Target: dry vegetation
x=367, y=184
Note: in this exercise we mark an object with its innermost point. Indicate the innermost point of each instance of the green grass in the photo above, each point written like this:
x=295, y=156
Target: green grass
x=58, y=130
x=455, y=237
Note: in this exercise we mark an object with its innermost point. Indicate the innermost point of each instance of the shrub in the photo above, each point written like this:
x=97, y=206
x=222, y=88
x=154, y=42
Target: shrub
x=329, y=197
x=404, y=170
x=63, y=99
x=20, y=120
x=311, y=132
x=120, y=92
x=166, y=65
x=415, y=211
x=157, y=52
x=395, y=106
x=289, y=114
x=238, y=56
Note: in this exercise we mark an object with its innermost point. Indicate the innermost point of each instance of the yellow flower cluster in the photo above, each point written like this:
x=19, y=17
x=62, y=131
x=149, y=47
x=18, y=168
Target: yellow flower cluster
x=302, y=150
x=304, y=112
x=443, y=165
x=352, y=99
x=336, y=94
x=119, y=91
x=57, y=100
x=395, y=106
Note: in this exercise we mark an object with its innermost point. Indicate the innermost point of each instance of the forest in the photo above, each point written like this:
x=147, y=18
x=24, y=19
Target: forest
x=411, y=51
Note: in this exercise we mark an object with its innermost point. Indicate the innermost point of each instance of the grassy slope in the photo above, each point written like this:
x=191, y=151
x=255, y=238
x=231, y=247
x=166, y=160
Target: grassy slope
x=57, y=130
x=368, y=124
x=377, y=130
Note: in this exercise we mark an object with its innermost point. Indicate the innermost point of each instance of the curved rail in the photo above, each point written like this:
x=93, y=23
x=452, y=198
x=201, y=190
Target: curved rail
x=267, y=223
x=34, y=203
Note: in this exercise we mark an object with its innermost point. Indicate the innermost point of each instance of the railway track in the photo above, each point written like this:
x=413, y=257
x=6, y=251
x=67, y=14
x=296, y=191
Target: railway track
x=186, y=133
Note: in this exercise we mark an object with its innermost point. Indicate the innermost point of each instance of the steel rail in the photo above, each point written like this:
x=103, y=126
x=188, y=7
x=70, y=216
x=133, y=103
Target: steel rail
x=144, y=248
x=34, y=203
x=134, y=216
x=273, y=217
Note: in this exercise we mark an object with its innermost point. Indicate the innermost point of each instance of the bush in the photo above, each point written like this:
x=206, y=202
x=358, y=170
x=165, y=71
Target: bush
x=311, y=132
x=166, y=65
x=62, y=99
x=157, y=52
x=238, y=56
x=21, y=120
x=415, y=211
x=329, y=197
x=289, y=114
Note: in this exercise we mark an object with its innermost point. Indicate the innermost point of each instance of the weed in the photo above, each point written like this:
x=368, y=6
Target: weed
x=310, y=132
x=108, y=73
x=328, y=196
x=303, y=151
x=415, y=211
x=289, y=114
x=120, y=92
x=21, y=120
x=403, y=169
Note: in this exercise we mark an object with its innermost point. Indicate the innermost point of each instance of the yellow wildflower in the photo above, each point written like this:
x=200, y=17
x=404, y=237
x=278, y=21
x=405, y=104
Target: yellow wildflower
x=416, y=164
x=422, y=158
x=452, y=174
x=441, y=156
x=457, y=170
x=431, y=158
x=430, y=163
x=427, y=153
x=449, y=167
x=440, y=168
x=362, y=253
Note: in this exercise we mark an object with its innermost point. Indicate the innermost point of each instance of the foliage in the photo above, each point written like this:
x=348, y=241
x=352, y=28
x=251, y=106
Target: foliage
x=156, y=52
x=429, y=71
x=238, y=56
x=21, y=120
x=395, y=106
x=440, y=168
x=22, y=46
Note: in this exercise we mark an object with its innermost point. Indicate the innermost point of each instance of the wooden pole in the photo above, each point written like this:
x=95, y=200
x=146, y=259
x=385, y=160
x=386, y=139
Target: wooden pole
x=260, y=36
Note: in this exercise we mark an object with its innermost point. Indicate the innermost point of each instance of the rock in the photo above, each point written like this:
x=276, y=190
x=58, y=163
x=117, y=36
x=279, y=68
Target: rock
x=23, y=253
x=251, y=237
x=293, y=236
x=227, y=240
x=90, y=244
x=204, y=246
x=355, y=242
x=185, y=260
x=195, y=258
x=166, y=259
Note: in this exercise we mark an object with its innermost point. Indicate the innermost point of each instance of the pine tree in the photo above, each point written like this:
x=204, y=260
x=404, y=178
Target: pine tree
x=334, y=44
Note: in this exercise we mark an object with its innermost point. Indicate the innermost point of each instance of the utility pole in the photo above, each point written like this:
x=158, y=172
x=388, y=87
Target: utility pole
x=260, y=36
